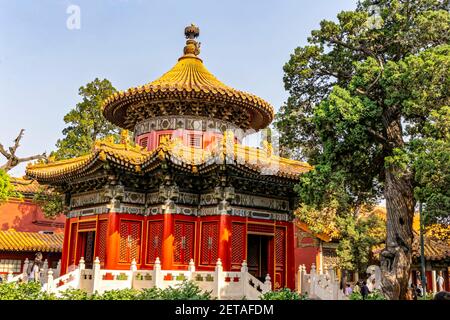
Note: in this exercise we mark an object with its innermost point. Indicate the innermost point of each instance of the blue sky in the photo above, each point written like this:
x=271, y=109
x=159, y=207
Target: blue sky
x=43, y=63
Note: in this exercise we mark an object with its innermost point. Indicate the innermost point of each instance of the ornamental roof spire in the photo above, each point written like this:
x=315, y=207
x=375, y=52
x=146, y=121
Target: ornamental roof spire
x=192, y=48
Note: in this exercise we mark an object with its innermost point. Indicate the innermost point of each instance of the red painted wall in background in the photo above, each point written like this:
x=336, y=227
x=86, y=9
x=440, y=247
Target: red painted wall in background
x=27, y=216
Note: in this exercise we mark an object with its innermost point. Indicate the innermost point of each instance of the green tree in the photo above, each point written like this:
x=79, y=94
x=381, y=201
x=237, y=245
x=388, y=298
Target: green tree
x=50, y=201
x=368, y=107
x=358, y=237
x=86, y=122
x=6, y=188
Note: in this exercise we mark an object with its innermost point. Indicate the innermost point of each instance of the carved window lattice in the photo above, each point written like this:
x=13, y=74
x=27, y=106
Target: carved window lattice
x=155, y=239
x=101, y=238
x=130, y=233
x=88, y=225
x=260, y=228
x=144, y=142
x=210, y=243
x=237, y=243
x=88, y=255
x=280, y=246
x=183, y=242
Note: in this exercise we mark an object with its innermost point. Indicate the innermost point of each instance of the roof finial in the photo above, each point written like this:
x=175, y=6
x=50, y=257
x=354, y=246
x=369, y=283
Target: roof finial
x=192, y=47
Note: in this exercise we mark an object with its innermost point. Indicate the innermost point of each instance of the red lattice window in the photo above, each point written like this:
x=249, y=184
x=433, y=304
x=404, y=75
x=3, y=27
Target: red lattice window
x=72, y=244
x=237, y=243
x=102, y=234
x=144, y=142
x=261, y=228
x=210, y=243
x=183, y=242
x=154, y=240
x=280, y=246
x=130, y=236
x=87, y=225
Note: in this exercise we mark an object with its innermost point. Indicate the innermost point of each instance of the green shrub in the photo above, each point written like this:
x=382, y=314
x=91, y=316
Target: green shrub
x=375, y=295
x=187, y=290
x=118, y=294
x=283, y=294
x=426, y=296
x=150, y=294
x=24, y=291
x=74, y=294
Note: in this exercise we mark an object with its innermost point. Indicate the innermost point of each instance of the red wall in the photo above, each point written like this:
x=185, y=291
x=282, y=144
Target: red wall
x=27, y=216
x=305, y=252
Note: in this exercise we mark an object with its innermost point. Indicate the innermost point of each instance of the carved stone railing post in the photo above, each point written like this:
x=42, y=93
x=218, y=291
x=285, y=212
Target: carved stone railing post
x=43, y=272
x=157, y=275
x=133, y=266
x=9, y=277
x=26, y=265
x=244, y=277
x=191, y=269
x=300, y=278
x=49, y=284
x=81, y=264
x=267, y=284
x=97, y=279
x=219, y=279
x=313, y=277
x=58, y=269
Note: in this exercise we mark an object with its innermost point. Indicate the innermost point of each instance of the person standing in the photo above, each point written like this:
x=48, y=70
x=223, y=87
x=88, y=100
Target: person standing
x=440, y=282
x=364, y=290
x=348, y=290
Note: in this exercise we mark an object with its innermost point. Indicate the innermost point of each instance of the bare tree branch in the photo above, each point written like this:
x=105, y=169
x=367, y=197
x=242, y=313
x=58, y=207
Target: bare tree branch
x=12, y=159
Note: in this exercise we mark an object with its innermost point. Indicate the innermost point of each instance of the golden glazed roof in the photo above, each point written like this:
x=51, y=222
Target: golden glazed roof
x=25, y=186
x=188, y=80
x=190, y=159
x=30, y=241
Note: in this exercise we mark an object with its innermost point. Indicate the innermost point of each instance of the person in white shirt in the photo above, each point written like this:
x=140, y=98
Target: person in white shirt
x=440, y=282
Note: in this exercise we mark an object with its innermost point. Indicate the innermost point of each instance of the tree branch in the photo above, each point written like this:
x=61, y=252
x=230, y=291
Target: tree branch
x=12, y=159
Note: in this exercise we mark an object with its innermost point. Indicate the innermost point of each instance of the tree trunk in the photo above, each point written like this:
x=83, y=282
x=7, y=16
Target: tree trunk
x=398, y=190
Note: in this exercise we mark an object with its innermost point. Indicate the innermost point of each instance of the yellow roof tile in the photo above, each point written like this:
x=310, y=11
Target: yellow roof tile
x=137, y=160
x=30, y=241
x=189, y=78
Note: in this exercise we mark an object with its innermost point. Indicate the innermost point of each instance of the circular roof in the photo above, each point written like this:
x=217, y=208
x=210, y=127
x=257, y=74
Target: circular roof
x=187, y=81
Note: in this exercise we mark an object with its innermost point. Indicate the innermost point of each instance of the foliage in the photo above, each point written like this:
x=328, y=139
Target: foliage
x=74, y=294
x=23, y=291
x=86, y=122
x=6, y=188
x=186, y=290
x=283, y=294
x=369, y=108
x=153, y=293
x=375, y=295
x=118, y=294
x=50, y=201
x=358, y=238
x=426, y=296
x=438, y=232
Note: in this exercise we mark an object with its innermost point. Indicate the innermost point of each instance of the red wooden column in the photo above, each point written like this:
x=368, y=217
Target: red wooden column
x=167, y=245
x=112, y=241
x=224, y=241
x=290, y=258
x=65, y=248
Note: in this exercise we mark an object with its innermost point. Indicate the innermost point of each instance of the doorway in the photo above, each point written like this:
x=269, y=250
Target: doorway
x=258, y=255
x=86, y=241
